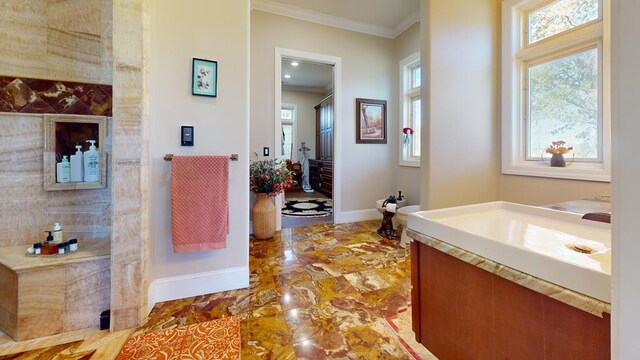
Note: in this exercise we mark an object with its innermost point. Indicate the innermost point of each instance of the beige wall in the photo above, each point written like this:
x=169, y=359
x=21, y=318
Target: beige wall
x=407, y=178
x=369, y=71
x=540, y=191
x=305, y=121
x=33, y=45
x=179, y=33
x=58, y=40
x=460, y=116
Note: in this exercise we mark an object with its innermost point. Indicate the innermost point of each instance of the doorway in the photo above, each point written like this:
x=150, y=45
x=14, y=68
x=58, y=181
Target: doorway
x=305, y=121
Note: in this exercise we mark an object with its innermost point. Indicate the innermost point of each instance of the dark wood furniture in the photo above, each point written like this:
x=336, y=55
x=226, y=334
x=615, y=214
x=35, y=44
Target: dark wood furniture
x=461, y=311
x=321, y=176
x=321, y=168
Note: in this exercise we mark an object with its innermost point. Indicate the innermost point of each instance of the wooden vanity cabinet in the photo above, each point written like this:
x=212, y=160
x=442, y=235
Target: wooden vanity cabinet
x=460, y=311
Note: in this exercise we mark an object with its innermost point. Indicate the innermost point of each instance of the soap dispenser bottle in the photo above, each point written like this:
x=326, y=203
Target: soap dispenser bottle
x=92, y=163
x=77, y=166
x=62, y=170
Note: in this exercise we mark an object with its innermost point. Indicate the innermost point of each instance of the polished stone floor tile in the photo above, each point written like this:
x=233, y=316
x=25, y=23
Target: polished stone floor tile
x=309, y=323
x=367, y=280
x=330, y=346
x=317, y=292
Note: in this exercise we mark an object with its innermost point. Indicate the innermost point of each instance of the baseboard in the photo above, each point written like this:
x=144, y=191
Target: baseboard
x=179, y=287
x=357, y=215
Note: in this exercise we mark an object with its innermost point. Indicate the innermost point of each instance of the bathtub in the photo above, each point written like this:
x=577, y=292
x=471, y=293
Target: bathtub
x=536, y=241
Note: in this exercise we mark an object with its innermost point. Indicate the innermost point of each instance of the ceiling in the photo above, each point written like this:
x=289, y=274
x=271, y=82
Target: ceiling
x=387, y=18
x=307, y=76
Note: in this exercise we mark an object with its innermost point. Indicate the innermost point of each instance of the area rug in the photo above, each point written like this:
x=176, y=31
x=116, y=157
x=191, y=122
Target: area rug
x=216, y=339
x=401, y=326
x=307, y=207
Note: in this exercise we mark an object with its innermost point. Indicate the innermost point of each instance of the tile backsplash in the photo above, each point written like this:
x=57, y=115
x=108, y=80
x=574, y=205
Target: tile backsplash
x=40, y=96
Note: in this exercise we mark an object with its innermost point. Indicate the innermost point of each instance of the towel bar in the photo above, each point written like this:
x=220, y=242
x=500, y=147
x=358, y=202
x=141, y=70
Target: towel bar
x=233, y=157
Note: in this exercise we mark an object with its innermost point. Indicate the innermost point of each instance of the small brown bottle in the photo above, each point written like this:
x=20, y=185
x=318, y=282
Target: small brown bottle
x=49, y=247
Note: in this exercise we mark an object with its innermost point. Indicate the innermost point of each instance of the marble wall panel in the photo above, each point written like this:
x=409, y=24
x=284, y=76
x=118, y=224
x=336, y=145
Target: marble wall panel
x=57, y=39
x=23, y=31
x=130, y=228
x=8, y=299
x=27, y=210
x=82, y=310
x=40, y=309
x=67, y=15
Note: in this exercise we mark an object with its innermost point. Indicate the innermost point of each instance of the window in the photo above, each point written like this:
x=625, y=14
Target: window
x=287, y=116
x=555, y=88
x=410, y=105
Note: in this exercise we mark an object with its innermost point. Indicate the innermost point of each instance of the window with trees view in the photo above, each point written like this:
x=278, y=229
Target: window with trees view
x=554, y=81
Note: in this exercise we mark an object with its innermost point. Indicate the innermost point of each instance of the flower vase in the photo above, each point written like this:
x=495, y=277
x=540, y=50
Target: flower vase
x=557, y=160
x=264, y=217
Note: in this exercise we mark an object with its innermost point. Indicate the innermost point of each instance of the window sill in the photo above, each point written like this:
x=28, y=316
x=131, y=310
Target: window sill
x=576, y=171
x=410, y=163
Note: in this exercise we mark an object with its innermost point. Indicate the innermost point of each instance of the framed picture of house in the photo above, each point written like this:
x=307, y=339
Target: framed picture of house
x=371, y=121
x=205, y=77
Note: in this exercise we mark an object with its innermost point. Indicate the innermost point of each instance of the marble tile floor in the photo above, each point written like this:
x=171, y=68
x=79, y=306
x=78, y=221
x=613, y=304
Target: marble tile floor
x=316, y=292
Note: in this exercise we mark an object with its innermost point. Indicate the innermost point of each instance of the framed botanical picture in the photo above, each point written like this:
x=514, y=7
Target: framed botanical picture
x=371, y=121
x=205, y=77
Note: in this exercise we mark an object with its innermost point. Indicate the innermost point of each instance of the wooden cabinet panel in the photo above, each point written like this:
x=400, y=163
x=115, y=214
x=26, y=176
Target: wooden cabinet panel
x=518, y=321
x=463, y=312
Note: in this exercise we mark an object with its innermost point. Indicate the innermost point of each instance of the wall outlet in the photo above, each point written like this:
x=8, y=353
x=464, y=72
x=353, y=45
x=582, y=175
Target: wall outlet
x=265, y=151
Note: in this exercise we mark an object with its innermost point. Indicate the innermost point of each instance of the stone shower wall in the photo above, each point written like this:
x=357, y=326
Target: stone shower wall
x=46, y=44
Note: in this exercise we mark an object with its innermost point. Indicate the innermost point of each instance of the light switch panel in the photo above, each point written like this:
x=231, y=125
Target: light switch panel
x=265, y=151
x=187, y=136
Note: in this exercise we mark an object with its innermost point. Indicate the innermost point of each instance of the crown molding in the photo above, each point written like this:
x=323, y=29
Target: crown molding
x=406, y=23
x=295, y=12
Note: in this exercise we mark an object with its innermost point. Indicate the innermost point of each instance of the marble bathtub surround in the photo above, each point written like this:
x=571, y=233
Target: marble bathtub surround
x=577, y=300
x=40, y=96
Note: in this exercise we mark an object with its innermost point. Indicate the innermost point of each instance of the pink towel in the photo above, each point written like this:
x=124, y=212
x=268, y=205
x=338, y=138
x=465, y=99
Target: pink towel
x=199, y=203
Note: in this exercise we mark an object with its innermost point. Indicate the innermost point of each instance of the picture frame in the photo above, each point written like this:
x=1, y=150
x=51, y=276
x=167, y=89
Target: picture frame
x=371, y=121
x=204, y=77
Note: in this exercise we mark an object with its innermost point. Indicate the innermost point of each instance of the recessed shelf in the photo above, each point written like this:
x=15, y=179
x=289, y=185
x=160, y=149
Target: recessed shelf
x=62, y=134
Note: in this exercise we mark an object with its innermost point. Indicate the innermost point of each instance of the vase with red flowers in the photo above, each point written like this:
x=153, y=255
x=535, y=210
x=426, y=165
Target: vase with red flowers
x=267, y=179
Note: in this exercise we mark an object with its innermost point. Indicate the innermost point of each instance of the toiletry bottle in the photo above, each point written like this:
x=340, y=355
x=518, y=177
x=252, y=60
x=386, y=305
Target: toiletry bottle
x=77, y=167
x=57, y=233
x=62, y=248
x=73, y=245
x=91, y=163
x=49, y=247
x=37, y=247
x=62, y=170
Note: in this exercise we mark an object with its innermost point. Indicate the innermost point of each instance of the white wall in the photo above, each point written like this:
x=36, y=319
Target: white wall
x=460, y=67
x=369, y=71
x=217, y=30
x=407, y=178
x=305, y=121
x=625, y=179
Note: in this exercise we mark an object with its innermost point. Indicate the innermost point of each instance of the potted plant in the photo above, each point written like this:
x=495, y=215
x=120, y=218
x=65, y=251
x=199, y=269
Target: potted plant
x=557, y=151
x=268, y=178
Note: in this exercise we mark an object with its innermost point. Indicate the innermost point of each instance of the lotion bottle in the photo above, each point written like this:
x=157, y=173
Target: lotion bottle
x=57, y=233
x=62, y=170
x=77, y=168
x=91, y=163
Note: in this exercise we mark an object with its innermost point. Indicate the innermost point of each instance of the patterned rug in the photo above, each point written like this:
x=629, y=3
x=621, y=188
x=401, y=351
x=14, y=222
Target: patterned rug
x=307, y=207
x=401, y=326
x=216, y=339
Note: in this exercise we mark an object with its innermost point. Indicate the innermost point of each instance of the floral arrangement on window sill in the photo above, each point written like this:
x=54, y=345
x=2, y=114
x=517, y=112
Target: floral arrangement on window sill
x=557, y=149
x=406, y=138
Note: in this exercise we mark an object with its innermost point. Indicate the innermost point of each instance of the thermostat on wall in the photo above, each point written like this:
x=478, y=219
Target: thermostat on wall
x=187, y=136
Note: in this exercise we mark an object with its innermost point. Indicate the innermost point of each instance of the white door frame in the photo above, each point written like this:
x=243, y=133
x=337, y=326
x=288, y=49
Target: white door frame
x=294, y=135
x=337, y=115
